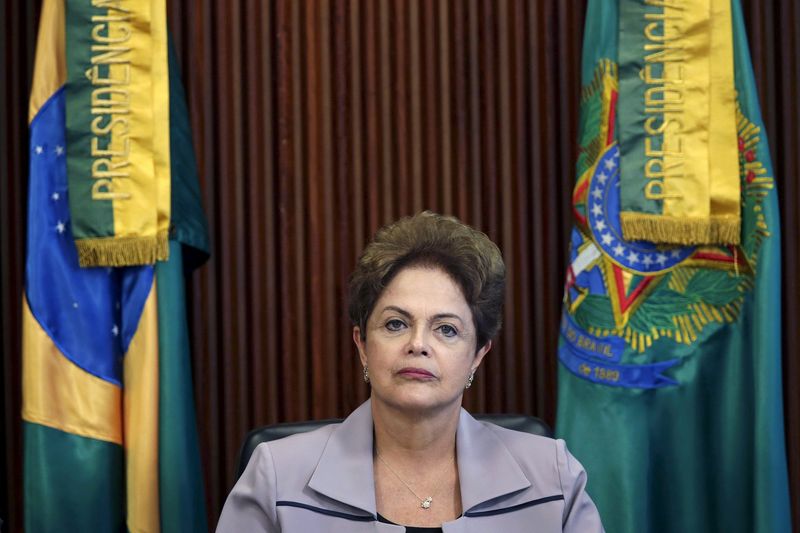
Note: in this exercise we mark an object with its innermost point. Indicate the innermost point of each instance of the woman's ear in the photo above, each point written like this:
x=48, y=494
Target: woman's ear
x=480, y=354
x=360, y=341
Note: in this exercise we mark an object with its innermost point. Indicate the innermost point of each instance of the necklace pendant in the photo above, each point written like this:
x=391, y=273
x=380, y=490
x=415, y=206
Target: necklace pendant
x=426, y=503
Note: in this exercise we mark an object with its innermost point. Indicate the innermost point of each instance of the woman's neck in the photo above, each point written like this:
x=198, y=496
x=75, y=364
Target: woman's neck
x=425, y=439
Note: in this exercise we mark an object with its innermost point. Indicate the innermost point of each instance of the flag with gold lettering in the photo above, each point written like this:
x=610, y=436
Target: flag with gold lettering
x=110, y=441
x=670, y=354
x=677, y=131
x=117, y=104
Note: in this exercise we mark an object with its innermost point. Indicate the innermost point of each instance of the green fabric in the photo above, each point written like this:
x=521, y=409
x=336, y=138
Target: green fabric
x=89, y=218
x=180, y=472
x=772, y=508
x=631, y=114
x=703, y=453
x=73, y=482
x=182, y=499
x=188, y=221
x=600, y=41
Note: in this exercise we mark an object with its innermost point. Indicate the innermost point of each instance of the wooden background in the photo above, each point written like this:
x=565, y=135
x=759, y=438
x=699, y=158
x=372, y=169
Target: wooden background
x=316, y=122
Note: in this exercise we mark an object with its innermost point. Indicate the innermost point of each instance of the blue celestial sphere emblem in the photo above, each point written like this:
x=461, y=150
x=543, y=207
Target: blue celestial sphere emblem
x=603, y=208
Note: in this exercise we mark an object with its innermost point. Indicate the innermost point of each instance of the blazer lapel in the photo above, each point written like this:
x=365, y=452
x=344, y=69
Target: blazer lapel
x=486, y=468
x=344, y=471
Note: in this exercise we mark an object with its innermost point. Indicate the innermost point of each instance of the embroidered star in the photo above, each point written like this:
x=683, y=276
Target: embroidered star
x=74, y=305
x=55, y=196
x=60, y=227
x=597, y=210
x=602, y=178
x=59, y=150
x=597, y=193
x=633, y=258
x=647, y=260
x=675, y=253
x=607, y=239
x=39, y=150
x=661, y=259
x=600, y=225
x=619, y=250
x=610, y=164
x=115, y=330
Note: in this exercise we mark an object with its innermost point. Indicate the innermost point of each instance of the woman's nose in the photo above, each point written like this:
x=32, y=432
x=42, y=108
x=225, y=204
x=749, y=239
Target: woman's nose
x=418, y=343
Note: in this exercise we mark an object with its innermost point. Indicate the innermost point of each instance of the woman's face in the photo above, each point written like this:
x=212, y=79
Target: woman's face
x=420, y=343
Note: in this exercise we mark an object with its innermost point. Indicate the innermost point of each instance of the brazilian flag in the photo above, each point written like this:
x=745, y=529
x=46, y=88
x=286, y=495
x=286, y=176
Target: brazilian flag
x=108, y=412
x=670, y=354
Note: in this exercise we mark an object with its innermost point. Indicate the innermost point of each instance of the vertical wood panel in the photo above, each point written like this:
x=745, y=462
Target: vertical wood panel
x=387, y=183
x=458, y=67
x=445, y=175
x=416, y=104
x=400, y=100
x=315, y=122
x=16, y=63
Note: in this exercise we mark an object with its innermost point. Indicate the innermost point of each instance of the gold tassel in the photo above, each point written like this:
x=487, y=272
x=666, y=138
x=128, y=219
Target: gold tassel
x=680, y=231
x=125, y=251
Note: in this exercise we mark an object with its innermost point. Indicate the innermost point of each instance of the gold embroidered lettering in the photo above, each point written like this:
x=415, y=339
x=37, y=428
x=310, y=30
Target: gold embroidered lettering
x=102, y=189
x=663, y=96
x=110, y=75
x=105, y=168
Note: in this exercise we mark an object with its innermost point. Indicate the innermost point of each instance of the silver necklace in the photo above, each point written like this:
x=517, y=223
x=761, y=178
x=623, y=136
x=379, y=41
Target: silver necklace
x=424, y=503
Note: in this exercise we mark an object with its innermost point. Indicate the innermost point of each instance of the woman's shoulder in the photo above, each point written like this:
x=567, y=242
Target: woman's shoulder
x=297, y=452
x=533, y=453
x=520, y=439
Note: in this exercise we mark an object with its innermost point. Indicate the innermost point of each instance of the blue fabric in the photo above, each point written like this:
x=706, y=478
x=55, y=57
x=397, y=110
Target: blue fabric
x=90, y=313
x=651, y=376
x=604, y=223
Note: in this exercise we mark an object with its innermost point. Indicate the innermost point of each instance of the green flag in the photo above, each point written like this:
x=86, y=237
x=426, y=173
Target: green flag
x=670, y=378
x=108, y=414
x=181, y=496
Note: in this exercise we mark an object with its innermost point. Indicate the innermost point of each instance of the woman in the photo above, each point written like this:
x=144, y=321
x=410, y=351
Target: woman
x=425, y=300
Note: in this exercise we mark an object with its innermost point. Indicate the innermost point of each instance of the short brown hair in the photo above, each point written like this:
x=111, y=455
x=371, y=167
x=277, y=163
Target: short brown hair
x=429, y=239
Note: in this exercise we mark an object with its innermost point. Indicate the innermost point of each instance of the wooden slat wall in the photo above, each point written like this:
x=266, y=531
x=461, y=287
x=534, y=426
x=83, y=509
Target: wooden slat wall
x=317, y=121
x=18, y=25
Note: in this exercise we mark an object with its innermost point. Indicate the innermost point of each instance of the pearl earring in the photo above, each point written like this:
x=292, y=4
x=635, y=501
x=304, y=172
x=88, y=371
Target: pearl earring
x=469, y=379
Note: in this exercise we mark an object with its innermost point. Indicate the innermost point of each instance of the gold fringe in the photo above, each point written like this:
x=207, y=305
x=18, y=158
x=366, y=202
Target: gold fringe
x=672, y=230
x=123, y=251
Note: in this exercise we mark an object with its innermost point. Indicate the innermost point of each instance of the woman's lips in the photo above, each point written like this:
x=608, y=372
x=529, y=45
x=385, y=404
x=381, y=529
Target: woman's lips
x=416, y=373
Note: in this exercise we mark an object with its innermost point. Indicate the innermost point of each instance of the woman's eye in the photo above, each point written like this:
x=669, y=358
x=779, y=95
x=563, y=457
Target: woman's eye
x=447, y=330
x=394, y=325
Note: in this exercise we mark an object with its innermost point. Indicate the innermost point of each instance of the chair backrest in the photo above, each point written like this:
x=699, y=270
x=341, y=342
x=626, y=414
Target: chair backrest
x=528, y=424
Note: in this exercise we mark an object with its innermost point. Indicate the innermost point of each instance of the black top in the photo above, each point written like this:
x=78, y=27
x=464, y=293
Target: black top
x=412, y=529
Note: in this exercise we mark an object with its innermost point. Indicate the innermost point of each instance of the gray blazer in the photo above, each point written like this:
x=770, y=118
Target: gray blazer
x=322, y=481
